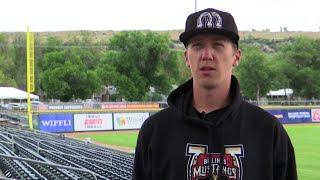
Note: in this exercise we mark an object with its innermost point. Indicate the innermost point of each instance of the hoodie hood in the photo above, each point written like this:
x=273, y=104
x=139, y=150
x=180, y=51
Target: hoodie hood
x=181, y=99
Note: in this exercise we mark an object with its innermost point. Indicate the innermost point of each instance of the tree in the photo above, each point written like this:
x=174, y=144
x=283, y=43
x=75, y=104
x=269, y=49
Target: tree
x=65, y=76
x=92, y=50
x=282, y=70
x=139, y=60
x=184, y=72
x=19, y=59
x=303, y=62
x=303, y=52
x=5, y=81
x=6, y=63
x=255, y=73
x=310, y=80
x=3, y=42
x=74, y=54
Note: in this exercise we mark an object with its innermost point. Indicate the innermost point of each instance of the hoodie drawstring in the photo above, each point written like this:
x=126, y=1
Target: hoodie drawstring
x=221, y=148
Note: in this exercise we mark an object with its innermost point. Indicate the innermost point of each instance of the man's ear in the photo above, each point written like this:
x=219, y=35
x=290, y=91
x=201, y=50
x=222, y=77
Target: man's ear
x=186, y=58
x=237, y=59
x=187, y=62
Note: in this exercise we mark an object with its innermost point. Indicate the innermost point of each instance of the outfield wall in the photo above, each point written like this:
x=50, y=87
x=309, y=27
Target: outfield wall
x=69, y=121
x=296, y=114
x=84, y=122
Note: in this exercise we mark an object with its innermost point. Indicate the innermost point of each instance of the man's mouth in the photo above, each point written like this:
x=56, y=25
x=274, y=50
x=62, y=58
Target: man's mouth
x=207, y=68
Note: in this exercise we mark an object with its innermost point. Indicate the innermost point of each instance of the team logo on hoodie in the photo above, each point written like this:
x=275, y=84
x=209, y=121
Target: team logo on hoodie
x=202, y=165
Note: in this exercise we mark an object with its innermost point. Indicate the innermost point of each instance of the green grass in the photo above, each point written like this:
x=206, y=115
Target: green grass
x=305, y=139
x=306, y=142
x=126, y=139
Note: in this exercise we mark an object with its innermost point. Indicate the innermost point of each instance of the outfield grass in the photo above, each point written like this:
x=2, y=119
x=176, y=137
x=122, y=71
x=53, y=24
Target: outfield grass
x=305, y=139
x=126, y=139
x=306, y=142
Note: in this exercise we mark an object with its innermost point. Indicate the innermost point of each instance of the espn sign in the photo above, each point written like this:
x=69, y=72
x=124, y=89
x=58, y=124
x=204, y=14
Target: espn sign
x=315, y=115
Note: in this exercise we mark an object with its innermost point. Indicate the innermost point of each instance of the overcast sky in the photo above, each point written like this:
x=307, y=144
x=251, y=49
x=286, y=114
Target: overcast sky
x=58, y=15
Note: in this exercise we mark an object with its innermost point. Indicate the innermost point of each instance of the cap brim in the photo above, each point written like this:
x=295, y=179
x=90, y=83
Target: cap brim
x=186, y=36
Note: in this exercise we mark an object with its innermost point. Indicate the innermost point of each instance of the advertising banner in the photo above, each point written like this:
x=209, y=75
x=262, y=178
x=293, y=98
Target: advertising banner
x=40, y=107
x=65, y=107
x=56, y=122
x=131, y=106
x=113, y=106
x=292, y=115
x=92, y=122
x=129, y=120
x=315, y=115
x=298, y=116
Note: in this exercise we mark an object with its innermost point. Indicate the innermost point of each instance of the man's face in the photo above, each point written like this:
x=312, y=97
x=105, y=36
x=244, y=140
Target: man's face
x=211, y=59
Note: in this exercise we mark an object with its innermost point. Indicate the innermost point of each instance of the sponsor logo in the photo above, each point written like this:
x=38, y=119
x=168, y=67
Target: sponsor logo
x=93, y=121
x=53, y=123
x=315, y=115
x=121, y=121
x=279, y=116
x=298, y=115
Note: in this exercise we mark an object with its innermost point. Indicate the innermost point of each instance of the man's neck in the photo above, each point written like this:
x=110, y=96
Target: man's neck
x=208, y=100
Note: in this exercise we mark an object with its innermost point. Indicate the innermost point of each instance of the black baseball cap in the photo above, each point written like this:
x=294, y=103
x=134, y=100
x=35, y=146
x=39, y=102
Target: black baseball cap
x=210, y=21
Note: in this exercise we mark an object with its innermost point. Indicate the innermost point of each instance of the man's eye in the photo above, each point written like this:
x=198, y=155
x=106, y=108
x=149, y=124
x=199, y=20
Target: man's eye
x=218, y=44
x=196, y=45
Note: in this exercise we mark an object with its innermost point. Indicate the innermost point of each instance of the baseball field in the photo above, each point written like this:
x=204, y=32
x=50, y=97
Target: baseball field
x=305, y=139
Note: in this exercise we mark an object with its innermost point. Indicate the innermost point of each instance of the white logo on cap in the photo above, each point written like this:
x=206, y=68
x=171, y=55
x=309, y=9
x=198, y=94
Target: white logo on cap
x=209, y=20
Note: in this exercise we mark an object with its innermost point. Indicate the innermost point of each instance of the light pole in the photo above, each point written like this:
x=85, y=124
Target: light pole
x=195, y=5
x=151, y=90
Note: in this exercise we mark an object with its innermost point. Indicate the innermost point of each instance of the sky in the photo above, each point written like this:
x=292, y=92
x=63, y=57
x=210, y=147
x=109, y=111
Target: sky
x=117, y=15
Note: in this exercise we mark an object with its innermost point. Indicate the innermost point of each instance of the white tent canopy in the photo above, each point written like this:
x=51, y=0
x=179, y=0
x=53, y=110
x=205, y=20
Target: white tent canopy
x=281, y=92
x=14, y=93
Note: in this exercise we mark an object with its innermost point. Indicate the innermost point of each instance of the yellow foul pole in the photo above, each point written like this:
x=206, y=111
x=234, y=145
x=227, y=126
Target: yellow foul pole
x=30, y=71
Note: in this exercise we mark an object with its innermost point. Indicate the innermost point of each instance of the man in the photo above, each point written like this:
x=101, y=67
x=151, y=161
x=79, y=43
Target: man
x=208, y=131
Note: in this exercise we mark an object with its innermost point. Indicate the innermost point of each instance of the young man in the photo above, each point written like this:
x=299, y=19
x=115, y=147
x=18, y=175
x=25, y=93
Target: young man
x=208, y=131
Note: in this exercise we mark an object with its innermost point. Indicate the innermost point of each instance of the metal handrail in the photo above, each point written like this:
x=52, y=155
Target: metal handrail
x=81, y=157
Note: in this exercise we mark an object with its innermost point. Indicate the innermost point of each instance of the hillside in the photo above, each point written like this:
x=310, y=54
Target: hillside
x=174, y=34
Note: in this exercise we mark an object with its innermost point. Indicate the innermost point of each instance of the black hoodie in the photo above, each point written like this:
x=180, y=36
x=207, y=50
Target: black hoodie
x=179, y=143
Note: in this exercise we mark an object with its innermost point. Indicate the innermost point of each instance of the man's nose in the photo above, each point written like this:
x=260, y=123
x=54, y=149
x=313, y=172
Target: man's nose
x=207, y=53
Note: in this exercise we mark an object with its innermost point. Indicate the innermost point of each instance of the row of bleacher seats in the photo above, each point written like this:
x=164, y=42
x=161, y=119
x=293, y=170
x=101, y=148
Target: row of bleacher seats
x=53, y=156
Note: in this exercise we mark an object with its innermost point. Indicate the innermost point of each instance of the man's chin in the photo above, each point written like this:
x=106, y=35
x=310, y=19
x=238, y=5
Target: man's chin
x=208, y=84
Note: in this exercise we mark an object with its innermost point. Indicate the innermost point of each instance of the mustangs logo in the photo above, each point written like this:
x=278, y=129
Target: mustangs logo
x=201, y=163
